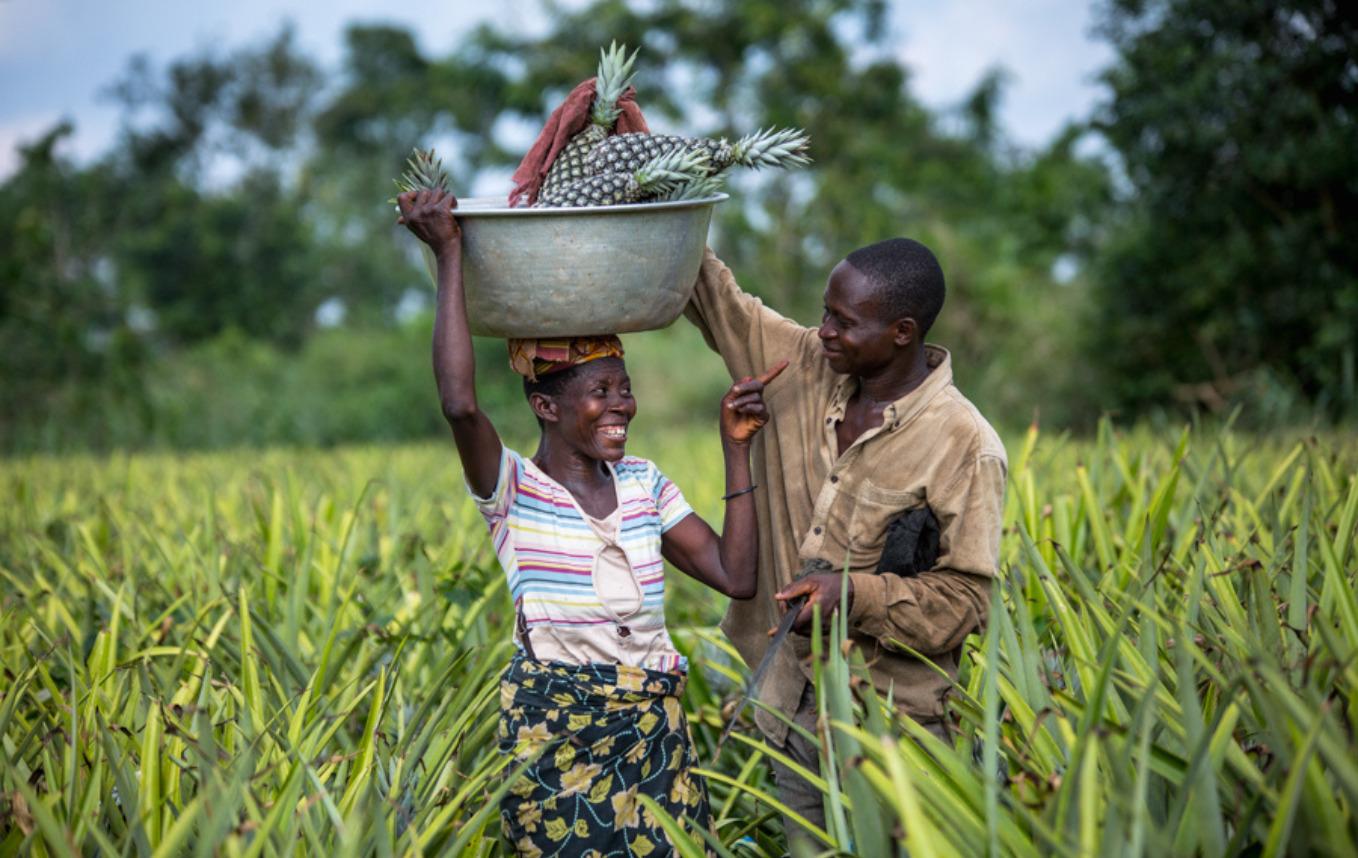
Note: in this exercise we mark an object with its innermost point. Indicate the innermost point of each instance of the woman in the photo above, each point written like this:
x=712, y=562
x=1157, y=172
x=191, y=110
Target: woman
x=591, y=698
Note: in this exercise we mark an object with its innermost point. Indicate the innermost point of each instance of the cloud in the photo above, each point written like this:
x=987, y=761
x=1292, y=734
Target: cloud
x=58, y=56
x=24, y=24
x=1044, y=44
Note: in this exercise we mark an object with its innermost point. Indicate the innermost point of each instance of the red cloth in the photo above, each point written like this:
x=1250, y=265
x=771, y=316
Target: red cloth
x=568, y=120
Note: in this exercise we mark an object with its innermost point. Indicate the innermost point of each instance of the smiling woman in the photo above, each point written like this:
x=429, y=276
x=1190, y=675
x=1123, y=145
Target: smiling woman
x=590, y=701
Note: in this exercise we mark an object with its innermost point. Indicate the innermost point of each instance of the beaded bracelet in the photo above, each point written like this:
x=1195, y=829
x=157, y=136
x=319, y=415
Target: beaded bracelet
x=743, y=491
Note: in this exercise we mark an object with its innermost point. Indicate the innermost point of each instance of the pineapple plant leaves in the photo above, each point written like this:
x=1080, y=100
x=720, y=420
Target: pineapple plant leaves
x=424, y=171
x=1113, y=712
x=699, y=188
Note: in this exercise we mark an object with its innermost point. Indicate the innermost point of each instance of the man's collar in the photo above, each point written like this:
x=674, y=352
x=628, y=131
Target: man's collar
x=908, y=407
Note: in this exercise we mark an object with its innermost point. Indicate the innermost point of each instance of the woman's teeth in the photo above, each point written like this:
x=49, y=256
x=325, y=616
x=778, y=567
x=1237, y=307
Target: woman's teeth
x=617, y=433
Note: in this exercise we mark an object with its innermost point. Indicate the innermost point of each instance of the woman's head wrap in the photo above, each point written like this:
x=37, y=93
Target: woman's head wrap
x=531, y=358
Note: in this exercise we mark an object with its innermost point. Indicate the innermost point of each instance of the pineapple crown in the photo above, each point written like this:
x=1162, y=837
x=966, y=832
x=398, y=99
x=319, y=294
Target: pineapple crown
x=696, y=189
x=772, y=147
x=424, y=172
x=610, y=82
x=667, y=172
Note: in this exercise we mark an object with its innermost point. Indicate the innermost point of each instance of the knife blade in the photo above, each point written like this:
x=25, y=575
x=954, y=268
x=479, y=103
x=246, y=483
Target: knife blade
x=794, y=607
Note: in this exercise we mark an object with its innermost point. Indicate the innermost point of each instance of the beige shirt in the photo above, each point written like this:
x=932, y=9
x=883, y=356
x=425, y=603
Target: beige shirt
x=933, y=447
x=614, y=583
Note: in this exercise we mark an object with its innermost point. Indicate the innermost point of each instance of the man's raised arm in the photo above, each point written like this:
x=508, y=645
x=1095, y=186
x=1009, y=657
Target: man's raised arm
x=736, y=325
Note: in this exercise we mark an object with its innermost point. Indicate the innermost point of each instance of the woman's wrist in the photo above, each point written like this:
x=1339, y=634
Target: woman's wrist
x=735, y=493
x=731, y=445
x=451, y=249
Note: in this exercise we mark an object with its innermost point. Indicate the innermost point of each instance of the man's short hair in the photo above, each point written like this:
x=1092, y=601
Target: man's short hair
x=907, y=276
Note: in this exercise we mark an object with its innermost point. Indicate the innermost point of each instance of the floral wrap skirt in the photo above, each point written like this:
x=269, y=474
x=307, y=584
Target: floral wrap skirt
x=607, y=735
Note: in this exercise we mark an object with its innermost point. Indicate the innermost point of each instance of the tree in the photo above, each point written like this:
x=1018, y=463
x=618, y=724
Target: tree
x=199, y=254
x=67, y=344
x=1237, y=125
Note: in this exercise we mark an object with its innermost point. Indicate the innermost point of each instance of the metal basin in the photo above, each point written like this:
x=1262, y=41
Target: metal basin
x=552, y=272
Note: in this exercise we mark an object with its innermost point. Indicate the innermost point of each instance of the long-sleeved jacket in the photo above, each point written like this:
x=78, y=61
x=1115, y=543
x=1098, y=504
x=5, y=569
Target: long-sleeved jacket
x=933, y=447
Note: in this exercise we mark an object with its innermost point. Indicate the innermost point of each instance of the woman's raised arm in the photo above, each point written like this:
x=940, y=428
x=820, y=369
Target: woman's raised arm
x=428, y=214
x=727, y=563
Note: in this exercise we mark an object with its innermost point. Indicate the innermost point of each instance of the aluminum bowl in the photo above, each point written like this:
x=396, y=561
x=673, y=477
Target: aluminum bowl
x=551, y=272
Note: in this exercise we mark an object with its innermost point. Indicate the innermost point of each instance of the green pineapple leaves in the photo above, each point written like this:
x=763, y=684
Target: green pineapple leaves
x=424, y=172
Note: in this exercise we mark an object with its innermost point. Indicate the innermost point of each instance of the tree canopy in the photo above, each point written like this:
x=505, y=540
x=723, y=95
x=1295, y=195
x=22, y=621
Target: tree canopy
x=1235, y=249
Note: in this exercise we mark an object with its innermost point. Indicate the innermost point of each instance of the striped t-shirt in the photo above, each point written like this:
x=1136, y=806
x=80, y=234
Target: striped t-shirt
x=549, y=554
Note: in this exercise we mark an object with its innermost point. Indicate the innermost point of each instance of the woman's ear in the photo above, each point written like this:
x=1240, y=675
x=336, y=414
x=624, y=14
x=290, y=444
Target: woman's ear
x=544, y=407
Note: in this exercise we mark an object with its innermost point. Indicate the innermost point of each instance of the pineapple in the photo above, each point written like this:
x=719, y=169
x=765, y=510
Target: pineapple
x=785, y=147
x=611, y=81
x=659, y=177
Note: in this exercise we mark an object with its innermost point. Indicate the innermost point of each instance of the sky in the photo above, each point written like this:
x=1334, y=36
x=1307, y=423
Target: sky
x=57, y=57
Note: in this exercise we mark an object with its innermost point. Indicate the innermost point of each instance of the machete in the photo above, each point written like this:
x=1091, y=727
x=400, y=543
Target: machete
x=794, y=607
x=911, y=548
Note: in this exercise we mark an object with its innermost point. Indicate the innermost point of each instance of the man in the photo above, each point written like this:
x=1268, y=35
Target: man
x=872, y=427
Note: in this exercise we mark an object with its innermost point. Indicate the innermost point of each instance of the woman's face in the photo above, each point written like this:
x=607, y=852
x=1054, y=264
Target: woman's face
x=595, y=408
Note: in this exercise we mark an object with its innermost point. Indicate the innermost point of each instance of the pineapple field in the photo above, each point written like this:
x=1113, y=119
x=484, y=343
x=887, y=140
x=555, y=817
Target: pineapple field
x=296, y=652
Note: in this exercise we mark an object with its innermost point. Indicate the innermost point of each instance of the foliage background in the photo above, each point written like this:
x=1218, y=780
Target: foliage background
x=227, y=273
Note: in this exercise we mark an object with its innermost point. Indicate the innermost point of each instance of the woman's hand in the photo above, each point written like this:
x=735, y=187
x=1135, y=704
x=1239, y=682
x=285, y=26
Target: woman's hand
x=429, y=214
x=743, y=412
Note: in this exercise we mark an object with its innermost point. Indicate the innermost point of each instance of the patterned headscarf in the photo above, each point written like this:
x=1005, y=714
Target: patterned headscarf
x=534, y=357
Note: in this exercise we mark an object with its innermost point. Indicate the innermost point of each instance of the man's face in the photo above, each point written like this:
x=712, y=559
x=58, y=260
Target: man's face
x=855, y=333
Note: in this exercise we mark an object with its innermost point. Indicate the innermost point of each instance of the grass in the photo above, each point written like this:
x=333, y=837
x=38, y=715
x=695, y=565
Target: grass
x=269, y=652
